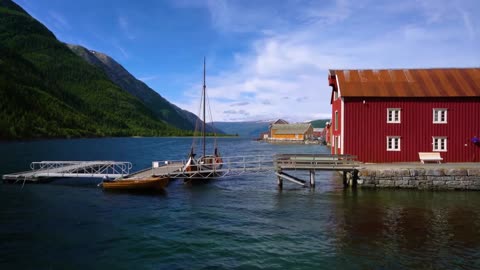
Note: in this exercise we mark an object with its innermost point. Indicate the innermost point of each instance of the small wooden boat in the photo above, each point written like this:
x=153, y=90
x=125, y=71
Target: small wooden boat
x=152, y=183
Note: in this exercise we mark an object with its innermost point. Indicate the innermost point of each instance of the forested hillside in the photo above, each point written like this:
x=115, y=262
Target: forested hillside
x=161, y=107
x=320, y=123
x=251, y=129
x=48, y=91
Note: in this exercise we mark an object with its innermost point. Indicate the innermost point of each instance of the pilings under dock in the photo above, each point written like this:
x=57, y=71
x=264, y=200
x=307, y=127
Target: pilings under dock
x=312, y=163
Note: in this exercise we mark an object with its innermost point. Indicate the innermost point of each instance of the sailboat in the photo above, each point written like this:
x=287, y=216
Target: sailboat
x=207, y=165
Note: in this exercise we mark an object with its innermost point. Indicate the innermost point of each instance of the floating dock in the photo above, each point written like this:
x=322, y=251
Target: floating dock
x=44, y=170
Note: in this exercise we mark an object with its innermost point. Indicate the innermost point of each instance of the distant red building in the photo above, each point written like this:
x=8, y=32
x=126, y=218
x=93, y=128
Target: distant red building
x=391, y=115
x=318, y=132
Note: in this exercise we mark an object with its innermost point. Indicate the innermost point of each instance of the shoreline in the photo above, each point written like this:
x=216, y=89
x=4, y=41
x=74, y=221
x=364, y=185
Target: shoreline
x=108, y=137
x=445, y=176
x=284, y=142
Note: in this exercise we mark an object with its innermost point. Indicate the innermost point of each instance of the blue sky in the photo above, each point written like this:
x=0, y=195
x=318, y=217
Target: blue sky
x=265, y=59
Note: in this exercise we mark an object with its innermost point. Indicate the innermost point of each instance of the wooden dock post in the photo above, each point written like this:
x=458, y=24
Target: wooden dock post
x=312, y=163
x=354, y=178
x=312, y=178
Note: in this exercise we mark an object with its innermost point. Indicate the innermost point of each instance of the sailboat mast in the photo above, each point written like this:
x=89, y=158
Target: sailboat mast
x=204, y=95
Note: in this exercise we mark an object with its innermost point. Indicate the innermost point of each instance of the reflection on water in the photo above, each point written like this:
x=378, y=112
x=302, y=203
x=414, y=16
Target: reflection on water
x=242, y=222
x=410, y=229
x=144, y=192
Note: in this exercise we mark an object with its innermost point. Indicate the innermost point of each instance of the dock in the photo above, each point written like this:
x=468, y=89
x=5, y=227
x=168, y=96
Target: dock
x=280, y=164
x=170, y=168
x=228, y=166
x=413, y=175
x=44, y=170
x=346, y=164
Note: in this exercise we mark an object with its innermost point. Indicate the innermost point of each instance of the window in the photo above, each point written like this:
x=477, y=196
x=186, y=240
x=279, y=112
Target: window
x=440, y=144
x=336, y=120
x=335, y=95
x=393, y=115
x=439, y=116
x=393, y=143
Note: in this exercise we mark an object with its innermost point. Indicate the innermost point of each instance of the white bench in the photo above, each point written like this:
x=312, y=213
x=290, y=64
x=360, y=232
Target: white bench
x=430, y=156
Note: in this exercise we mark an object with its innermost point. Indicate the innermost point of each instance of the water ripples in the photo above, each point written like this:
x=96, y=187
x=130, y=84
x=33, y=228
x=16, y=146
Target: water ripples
x=237, y=223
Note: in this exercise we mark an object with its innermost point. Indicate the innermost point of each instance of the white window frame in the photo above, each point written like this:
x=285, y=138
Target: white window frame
x=437, y=115
x=436, y=144
x=393, y=144
x=394, y=115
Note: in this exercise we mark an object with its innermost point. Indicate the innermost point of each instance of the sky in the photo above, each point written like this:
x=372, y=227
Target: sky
x=265, y=59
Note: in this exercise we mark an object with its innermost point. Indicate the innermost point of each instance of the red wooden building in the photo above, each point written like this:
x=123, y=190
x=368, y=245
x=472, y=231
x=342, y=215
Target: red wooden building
x=391, y=115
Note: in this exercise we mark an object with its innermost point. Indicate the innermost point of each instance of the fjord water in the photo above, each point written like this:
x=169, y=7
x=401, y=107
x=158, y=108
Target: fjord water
x=234, y=223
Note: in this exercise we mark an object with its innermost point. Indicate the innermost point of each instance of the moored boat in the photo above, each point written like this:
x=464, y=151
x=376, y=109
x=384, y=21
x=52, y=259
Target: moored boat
x=207, y=165
x=149, y=183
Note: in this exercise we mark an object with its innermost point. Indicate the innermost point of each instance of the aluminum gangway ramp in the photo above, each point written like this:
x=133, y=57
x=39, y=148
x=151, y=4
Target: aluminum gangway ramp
x=229, y=166
x=63, y=169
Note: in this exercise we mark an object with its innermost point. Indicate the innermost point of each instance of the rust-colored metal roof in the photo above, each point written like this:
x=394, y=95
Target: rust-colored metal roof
x=435, y=82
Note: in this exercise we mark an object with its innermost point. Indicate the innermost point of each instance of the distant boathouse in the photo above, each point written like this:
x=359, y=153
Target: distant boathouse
x=282, y=131
x=291, y=132
x=391, y=115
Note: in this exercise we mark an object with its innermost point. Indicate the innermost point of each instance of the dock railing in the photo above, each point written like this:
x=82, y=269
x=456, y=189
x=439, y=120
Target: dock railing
x=315, y=162
x=312, y=163
x=80, y=168
x=228, y=166
x=237, y=165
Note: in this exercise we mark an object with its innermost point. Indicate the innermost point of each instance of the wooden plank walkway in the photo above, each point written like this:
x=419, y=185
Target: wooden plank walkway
x=315, y=162
x=312, y=163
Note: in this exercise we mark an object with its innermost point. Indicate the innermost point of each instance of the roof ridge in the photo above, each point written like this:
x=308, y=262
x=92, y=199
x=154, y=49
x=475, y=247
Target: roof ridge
x=399, y=68
x=435, y=82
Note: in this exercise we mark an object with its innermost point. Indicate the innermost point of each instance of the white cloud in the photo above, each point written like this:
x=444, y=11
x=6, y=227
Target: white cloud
x=121, y=49
x=469, y=25
x=238, y=16
x=57, y=21
x=149, y=78
x=284, y=72
x=125, y=27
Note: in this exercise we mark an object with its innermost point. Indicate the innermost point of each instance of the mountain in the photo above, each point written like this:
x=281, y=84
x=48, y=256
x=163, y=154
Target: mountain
x=253, y=129
x=250, y=129
x=162, y=108
x=47, y=91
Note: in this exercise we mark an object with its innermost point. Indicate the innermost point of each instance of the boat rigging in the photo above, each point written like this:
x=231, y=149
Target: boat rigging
x=207, y=163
